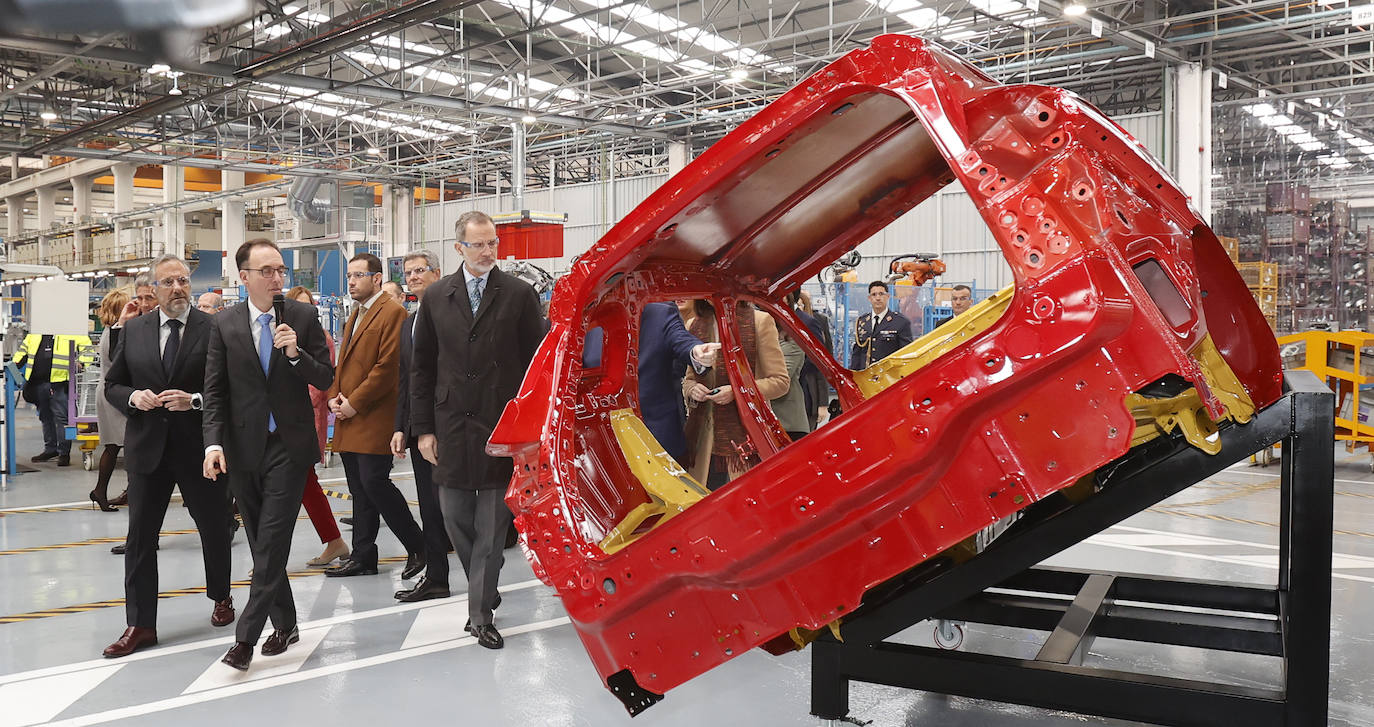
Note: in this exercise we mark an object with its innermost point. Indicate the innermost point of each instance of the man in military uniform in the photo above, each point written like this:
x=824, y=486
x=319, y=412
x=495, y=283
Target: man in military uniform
x=878, y=334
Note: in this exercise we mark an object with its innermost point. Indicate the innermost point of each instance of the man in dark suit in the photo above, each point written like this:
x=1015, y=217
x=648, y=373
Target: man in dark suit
x=260, y=431
x=155, y=375
x=878, y=334
x=474, y=338
x=421, y=269
x=666, y=349
x=363, y=400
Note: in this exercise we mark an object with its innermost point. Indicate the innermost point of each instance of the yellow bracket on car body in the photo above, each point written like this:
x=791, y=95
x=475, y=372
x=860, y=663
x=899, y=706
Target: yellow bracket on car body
x=670, y=488
x=1155, y=417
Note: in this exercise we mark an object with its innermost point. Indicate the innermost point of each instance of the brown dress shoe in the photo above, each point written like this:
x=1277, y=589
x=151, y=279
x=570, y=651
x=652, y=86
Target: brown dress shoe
x=239, y=656
x=120, y=499
x=134, y=638
x=279, y=640
x=223, y=615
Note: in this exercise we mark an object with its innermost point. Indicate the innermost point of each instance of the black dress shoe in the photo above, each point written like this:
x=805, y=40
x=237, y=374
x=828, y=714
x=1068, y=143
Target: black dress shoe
x=279, y=640
x=415, y=562
x=239, y=656
x=64, y=460
x=487, y=636
x=44, y=457
x=351, y=568
x=346, y=521
x=119, y=549
x=512, y=537
x=424, y=590
x=467, y=625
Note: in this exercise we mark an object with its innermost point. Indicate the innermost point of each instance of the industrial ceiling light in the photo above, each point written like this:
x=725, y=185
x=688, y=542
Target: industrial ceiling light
x=528, y=119
x=374, y=151
x=48, y=115
x=1075, y=9
x=739, y=74
x=159, y=68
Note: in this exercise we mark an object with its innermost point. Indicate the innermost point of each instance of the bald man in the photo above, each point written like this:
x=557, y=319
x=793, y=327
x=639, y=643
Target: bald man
x=210, y=303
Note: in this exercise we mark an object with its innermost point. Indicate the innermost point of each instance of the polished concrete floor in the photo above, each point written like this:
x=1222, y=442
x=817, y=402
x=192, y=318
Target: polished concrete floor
x=366, y=660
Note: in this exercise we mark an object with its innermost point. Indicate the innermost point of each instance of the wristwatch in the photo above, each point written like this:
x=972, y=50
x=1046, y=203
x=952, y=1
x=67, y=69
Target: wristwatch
x=197, y=402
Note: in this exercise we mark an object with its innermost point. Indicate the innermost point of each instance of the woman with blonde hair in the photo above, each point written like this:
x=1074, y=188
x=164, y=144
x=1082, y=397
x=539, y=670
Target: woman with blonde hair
x=314, y=500
x=114, y=310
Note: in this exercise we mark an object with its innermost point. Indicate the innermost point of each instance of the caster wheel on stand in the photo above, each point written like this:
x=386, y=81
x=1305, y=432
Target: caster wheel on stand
x=88, y=461
x=949, y=635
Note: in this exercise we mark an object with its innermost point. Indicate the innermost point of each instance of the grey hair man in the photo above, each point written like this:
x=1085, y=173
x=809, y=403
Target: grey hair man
x=421, y=269
x=210, y=303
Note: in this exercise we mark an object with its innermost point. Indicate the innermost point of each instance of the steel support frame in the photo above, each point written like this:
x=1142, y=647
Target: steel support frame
x=1291, y=621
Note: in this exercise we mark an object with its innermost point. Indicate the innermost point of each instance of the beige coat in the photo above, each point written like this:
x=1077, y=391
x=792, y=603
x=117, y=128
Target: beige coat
x=770, y=376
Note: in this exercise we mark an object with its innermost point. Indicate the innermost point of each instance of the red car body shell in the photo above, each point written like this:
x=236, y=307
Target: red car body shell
x=1088, y=223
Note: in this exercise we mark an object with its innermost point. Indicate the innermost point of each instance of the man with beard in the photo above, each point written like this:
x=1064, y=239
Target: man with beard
x=364, y=404
x=156, y=376
x=475, y=336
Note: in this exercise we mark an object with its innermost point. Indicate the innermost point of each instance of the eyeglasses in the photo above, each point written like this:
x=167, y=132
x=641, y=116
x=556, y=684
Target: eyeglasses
x=488, y=245
x=360, y=275
x=183, y=281
x=418, y=271
x=268, y=273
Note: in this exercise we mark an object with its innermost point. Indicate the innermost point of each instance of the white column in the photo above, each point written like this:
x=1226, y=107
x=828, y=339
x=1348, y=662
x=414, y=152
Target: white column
x=388, y=217
x=402, y=220
x=677, y=157
x=47, y=197
x=233, y=231
x=1192, y=128
x=173, y=221
x=81, y=205
x=517, y=170
x=123, y=186
x=14, y=213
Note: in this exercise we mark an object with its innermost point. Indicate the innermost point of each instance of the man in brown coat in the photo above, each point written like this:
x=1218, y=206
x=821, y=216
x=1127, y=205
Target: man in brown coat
x=363, y=399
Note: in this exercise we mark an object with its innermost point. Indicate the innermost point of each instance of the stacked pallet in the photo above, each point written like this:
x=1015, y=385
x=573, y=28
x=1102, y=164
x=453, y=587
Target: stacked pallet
x=1263, y=281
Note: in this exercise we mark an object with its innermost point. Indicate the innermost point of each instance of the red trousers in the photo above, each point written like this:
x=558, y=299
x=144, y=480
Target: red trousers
x=317, y=507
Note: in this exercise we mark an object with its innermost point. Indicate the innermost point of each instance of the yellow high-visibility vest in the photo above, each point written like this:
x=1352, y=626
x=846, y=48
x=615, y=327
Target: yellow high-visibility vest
x=62, y=348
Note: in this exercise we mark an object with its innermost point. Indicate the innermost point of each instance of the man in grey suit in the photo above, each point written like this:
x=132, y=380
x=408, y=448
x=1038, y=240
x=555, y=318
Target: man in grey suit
x=475, y=336
x=260, y=430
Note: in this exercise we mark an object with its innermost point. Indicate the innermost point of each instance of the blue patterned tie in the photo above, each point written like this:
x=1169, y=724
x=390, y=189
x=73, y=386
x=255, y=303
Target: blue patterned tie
x=475, y=293
x=265, y=356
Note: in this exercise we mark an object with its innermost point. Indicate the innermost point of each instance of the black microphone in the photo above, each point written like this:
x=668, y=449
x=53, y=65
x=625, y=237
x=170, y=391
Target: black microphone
x=279, y=307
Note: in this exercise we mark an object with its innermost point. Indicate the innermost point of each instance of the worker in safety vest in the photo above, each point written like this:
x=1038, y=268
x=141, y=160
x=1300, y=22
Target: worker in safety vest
x=46, y=363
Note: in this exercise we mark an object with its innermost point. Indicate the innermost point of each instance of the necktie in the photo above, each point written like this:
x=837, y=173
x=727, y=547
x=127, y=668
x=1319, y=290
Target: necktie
x=169, y=352
x=475, y=293
x=265, y=357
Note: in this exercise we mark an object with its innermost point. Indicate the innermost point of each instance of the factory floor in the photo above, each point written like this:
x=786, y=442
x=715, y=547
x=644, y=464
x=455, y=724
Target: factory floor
x=364, y=659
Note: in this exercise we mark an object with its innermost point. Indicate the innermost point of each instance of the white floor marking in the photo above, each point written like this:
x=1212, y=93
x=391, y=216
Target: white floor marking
x=1266, y=562
x=1271, y=475
x=255, y=685
x=40, y=700
x=263, y=667
x=1148, y=539
x=435, y=625
x=159, y=651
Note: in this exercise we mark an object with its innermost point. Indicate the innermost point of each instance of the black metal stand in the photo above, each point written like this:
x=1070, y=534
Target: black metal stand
x=1291, y=621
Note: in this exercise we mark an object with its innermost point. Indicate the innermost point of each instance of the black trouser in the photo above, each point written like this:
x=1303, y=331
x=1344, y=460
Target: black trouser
x=52, y=414
x=477, y=521
x=431, y=519
x=269, y=502
x=149, y=495
x=375, y=497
